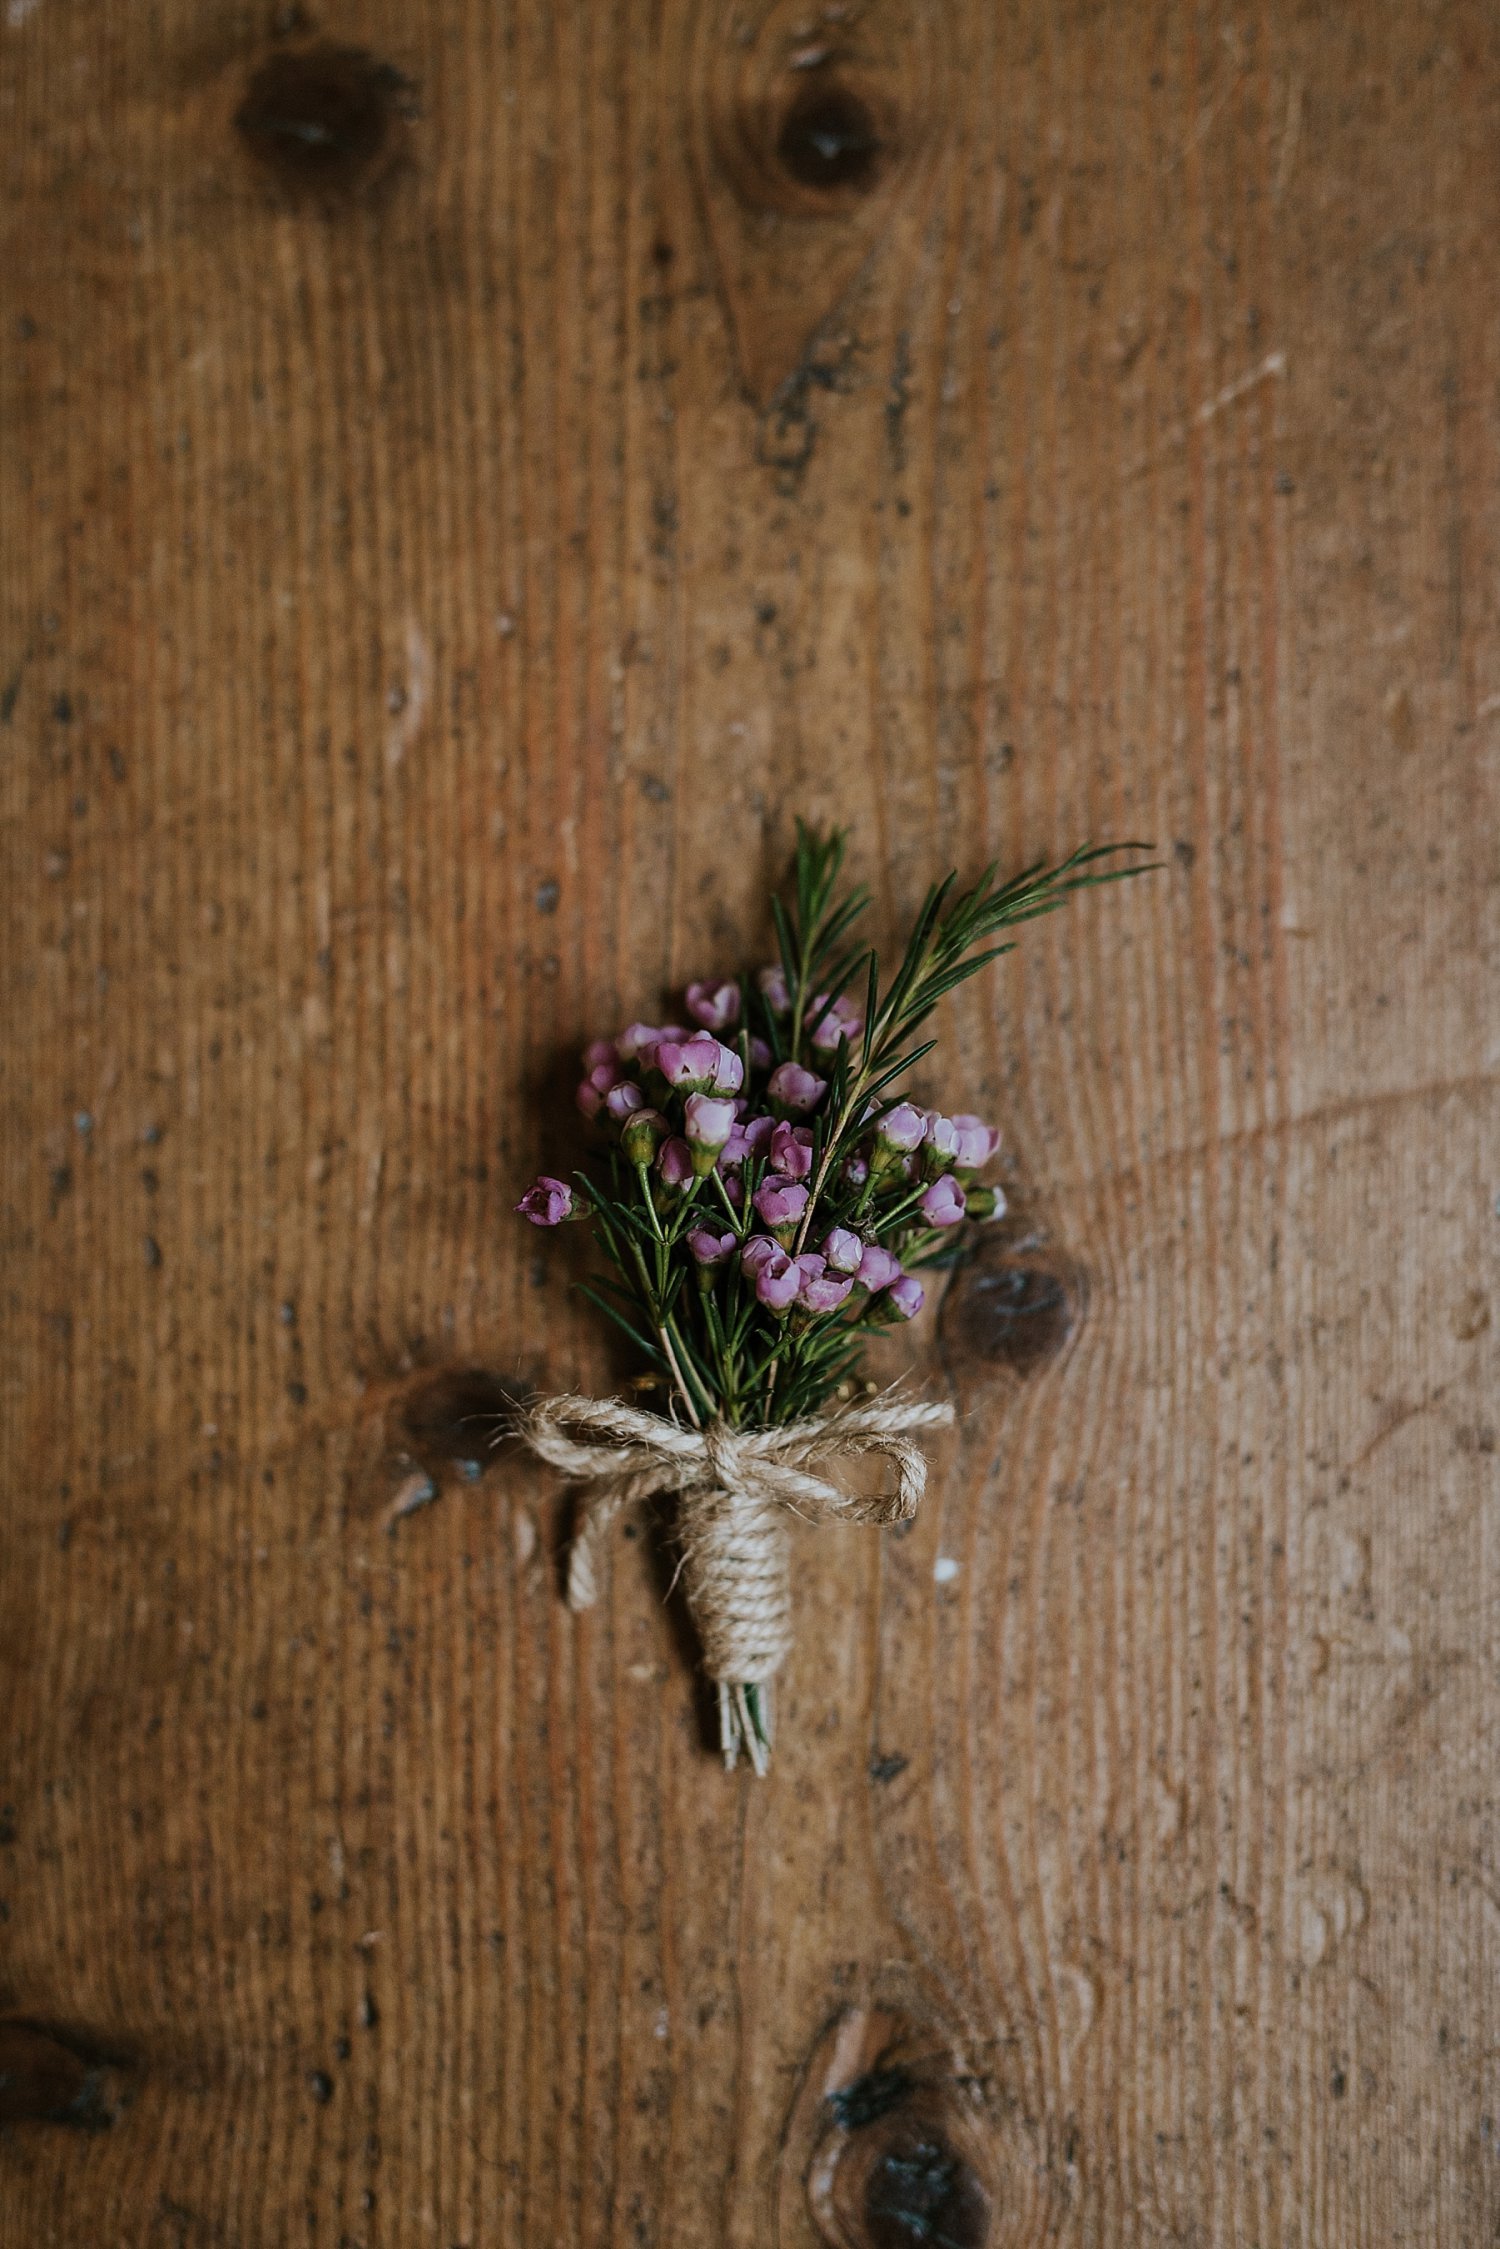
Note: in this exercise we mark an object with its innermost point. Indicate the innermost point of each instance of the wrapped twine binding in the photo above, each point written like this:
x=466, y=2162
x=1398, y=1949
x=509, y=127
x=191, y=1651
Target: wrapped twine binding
x=735, y=1489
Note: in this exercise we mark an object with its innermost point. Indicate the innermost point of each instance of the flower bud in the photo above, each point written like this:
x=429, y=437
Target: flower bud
x=943, y=1202
x=548, y=1203
x=939, y=1140
x=760, y=1055
x=819, y=1290
x=590, y=1095
x=772, y=983
x=843, y=1250
x=791, y=1151
x=984, y=1202
x=777, y=1281
x=878, y=1268
x=794, y=1089
x=699, y=1065
x=601, y=1054
x=674, y=1164
x=637, y=1042
x=708, y=1124
x=748, y=1139
x=977, y=1142
x=897, y=1133
x=710, y=1249
x=841, y=1022
x=645, y=1129
x=906, y=1296
x=780, y=1203
x=715, y=1006
x=756, y=1252
x=623, y=1100
x=901, y=1128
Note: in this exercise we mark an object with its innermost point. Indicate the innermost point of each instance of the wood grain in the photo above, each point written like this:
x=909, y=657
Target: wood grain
x=461, y=499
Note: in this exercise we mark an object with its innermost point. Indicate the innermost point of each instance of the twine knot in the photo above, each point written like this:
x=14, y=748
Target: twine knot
x=736, y=1488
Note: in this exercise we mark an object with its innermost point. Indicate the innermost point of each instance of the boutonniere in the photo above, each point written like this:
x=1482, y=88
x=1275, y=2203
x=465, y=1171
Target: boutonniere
x=764, y=1197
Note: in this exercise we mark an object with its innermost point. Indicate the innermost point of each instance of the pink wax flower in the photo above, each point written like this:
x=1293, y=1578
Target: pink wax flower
x=943, y=1202
x=907, y=1296
x=773, y=991
x=590, y=1095
x=791, y=1151
x=699, y=1064
x=985, y=1202
x=843, y=1021
x=843, y=1250
x=548, y=1203
x=878, y=1268
x=760, y=1055
x=977, y=1142
x=715, y=1006
x=777, y=1281
x=600, y=1054
x=708, y=1124
x=758, y=1251
x=637, y=1042
x=709, y=1248
x=674, y=1163
x=645, y=1129
x=780, y=1203
x=856, y=1172
x=901, y=1128
x=819, y=1290
x=623, y=1100
x=940, y=1139
x=748, y=1139
x=794, y=1089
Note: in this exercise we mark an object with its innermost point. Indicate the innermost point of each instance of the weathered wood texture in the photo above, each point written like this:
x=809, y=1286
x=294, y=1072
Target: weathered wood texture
x=472, y=471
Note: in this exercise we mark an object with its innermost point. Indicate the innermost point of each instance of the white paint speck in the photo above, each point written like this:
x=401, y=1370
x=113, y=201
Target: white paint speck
x=944, y=1570
x=407, y=701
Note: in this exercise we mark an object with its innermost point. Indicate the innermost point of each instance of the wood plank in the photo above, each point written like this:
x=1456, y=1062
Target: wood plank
x=468, y=482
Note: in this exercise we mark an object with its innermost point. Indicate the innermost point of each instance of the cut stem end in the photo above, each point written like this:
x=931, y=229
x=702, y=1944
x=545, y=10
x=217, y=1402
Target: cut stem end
x=745, y=1724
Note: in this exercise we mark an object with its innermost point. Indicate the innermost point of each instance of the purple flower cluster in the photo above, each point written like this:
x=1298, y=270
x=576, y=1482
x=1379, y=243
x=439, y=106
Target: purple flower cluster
x=728, y=1136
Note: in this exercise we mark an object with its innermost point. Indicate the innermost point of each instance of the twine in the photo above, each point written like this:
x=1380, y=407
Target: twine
x=736, y=1487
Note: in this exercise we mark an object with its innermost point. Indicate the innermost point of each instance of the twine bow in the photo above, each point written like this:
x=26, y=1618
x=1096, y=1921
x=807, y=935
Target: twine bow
x=736, y=1487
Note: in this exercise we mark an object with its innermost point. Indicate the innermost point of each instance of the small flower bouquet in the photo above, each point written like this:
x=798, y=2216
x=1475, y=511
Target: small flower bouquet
x=765, y=1198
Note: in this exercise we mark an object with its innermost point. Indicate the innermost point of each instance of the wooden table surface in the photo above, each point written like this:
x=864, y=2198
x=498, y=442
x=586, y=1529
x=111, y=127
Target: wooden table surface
x=473, y=472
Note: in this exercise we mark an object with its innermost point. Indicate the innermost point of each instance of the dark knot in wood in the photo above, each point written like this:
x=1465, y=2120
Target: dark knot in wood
x=1012, y=1306
x=806, y=134
x=47, y=2078
x=918, y=2188
x=890, y=2139
x=324, y=119
x=454, y=1417
x=829, y=140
